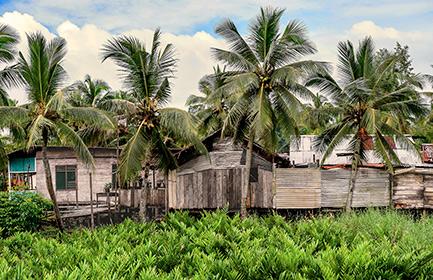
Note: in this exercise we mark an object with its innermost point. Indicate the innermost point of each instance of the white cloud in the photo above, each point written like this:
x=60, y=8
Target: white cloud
x=23, y=23
x=419, y=42
x=193, y=51
x=84, y=44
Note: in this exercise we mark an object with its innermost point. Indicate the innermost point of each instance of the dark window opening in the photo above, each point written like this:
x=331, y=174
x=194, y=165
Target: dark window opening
x=66, y=177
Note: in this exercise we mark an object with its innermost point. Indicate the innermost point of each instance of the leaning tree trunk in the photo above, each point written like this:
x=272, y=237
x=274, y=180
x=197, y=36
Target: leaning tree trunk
x=353, y=175
x=246, y=183
x=143, y=201
x=50, y=188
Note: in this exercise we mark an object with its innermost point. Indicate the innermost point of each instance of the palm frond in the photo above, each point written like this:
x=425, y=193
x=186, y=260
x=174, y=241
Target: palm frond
x=181, y=125
x=264, y=30
x=42, y=71
x=347, y=67
x=237, y=44
x=136, y=150
x=8, y=41
x=34, y=132
x=384, y=150
x=232, y=59
x=70, y=138
x=90, y=116
x=11, y=115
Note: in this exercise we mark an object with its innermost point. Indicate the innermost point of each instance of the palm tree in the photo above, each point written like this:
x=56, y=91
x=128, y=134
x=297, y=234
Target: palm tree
x=372, y=107
x=265, y=80
x=8, y=75
x=46, y=118
x=318, y=115
x=91, y=93
x=88, y=92
x=146, y=75
x=212, y=106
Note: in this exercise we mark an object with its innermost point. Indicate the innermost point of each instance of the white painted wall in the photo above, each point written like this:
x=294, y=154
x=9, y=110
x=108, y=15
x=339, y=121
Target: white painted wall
x=303, y=151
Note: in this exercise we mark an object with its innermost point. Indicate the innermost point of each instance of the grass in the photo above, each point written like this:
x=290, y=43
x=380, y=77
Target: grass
x=370, y=245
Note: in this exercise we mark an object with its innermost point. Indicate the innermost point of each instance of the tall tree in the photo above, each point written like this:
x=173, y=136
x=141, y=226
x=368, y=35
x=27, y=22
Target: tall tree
x=146, y=75
x=318, y=115
x=91, y=93
x=8, y=75
x=265, y=79
x=212, y=106
x=46, y=117
x=88, y=92
x=371, y=106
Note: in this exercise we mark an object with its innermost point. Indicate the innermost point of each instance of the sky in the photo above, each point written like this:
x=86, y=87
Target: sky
x=189, y=25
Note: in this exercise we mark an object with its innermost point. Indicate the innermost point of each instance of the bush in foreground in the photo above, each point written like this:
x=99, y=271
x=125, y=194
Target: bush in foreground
x=21, y=211
x=371, y=245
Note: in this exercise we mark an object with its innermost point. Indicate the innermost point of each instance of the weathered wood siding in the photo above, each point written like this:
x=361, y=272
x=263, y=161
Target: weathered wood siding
x=297, y=188
x=371, y=188
x=413, y=189
x=261, y=191
x=428, y=191
x=155, y=197
x=207, y=189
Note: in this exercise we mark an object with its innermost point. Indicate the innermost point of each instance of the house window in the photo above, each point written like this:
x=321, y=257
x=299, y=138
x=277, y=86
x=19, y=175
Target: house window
x=66, y=177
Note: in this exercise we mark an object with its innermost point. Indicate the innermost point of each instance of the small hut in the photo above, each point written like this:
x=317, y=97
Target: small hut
x=214, y=180
x=70, y=175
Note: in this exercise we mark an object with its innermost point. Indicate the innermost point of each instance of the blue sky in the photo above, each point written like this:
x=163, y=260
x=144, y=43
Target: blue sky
x=189, y=24
x=192, y=16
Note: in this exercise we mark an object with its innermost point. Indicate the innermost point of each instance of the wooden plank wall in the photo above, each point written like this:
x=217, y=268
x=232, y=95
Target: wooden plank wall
x=413, y=190
x=428, y=191
x=334, y=188
x=261, y=192
x=371, y=188
x=156, y=197
x=208, y=189
x=297, y=188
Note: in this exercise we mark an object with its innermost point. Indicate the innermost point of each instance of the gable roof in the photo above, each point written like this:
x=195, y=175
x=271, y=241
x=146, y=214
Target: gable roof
x=184, y=155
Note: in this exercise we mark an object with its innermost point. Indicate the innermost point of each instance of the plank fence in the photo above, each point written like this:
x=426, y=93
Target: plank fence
x=299, y=188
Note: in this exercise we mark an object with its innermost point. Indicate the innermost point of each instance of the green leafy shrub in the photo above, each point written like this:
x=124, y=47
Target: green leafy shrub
x=21, y=211
x=370, y=245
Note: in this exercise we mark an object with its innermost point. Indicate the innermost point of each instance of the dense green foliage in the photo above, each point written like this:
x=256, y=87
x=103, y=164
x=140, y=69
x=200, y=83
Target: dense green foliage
x=372, y=245
x=21, y=211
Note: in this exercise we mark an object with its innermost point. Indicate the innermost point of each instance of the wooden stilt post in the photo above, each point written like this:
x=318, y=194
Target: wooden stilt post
x=92, y=218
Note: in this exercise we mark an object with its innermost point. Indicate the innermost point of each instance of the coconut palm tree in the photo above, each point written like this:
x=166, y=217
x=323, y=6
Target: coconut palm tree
x=46, y=117
x=212, y=106
x=265, y=78
x=371, y=107
x=146, y=75
x=91, y=93
x=8, y=75
x=88, y=92
x=318, y=115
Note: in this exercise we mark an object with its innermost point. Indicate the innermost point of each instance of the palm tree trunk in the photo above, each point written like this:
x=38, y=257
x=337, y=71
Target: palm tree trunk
x=92, y=217
x=246, y=183
x=353, y=175
x=143, y=204
x=50, y=187
x=166, y=192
